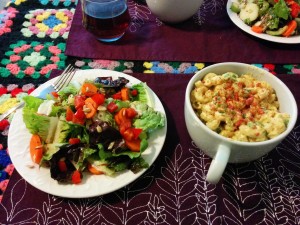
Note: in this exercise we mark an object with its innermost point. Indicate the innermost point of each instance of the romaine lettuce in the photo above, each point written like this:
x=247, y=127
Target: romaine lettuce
x=149, y=120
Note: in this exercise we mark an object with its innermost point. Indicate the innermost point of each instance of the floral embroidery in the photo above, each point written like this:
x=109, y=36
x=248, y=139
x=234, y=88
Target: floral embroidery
x=172, y=67
x=120, y=66
x=56, y=2
x=50, y=22
x=6, y=17
x=32, y=59
x=18, y=2
x=9, y=169
x=3, y=184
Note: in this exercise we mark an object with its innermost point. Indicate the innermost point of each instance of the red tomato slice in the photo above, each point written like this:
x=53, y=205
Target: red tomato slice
x=73, y=141
x=76, y=177
x=69, y=114
x=79, y=101
x=98, y=98
x=130, y=113
x=79, y=114
x=117, y=95
x=112, y=107
x=62, y=166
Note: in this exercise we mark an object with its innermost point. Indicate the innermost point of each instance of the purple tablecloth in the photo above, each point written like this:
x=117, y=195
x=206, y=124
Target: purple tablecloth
x=216, y=40
x=173, y=190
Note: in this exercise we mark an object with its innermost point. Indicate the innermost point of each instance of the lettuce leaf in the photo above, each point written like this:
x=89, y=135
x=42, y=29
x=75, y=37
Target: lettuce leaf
x=71, y=89
x=142, y=92
x=148, y=120
x=44, y=126
x=281, y=10
x=32, y=103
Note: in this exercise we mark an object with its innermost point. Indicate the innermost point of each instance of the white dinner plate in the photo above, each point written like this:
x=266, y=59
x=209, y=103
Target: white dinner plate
x=237, y=21
x=92, y=185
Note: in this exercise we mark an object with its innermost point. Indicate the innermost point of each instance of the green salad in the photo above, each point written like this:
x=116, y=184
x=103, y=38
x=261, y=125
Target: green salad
x=273, y=17
x=101, y=126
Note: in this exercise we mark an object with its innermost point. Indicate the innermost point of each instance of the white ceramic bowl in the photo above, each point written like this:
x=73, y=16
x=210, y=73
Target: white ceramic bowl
x=174, y=11
x=222, y=149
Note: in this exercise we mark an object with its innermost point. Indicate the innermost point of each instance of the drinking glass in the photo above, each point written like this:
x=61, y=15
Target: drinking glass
x=107, y=20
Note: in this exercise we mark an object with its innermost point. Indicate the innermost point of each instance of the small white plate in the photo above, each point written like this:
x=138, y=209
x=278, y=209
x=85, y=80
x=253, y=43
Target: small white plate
x=237, y=21
x=92, y=185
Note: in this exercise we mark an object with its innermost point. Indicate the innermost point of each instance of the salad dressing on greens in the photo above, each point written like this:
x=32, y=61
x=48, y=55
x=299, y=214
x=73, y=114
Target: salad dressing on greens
x=100, y=126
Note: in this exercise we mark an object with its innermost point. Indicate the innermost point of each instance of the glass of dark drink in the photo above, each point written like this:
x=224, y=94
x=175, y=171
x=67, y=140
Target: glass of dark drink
x=106, y=19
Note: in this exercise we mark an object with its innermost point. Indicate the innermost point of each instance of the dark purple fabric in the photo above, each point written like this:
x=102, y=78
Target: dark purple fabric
x=173, y=190
x=216, y=40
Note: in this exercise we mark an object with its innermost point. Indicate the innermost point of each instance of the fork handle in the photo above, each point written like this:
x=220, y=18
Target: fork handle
x=43, y=94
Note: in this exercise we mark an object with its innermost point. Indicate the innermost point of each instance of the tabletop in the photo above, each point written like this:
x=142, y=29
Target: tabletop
x=39, y=38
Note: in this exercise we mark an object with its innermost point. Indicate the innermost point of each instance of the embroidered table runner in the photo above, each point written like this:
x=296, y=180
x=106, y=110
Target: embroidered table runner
x=173, y=189
x=217, y=39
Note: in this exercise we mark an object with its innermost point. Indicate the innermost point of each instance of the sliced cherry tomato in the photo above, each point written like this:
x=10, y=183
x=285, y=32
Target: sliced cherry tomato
x=98, y=98
x=69, y=114
x=79, y=101
x=112, y=107
x=130, y=113
x=73, y=141
x=76, y=177
x=88, y=89
x=62, y=166
x=117, y=96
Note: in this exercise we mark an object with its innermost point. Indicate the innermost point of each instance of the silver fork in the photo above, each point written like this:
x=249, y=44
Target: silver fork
x=63, y=80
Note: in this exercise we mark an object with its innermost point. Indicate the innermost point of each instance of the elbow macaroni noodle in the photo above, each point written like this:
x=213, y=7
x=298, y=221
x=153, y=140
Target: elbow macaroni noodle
x=238, y=107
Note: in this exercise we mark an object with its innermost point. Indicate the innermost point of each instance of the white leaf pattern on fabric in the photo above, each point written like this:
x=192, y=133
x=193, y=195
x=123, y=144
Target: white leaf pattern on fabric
x=206, y=197
x=208, y=7
x=177, y=187
x=16, y=213
x=139, y=15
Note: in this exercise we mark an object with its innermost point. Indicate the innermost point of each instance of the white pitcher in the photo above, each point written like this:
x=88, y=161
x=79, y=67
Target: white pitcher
x=174, y=11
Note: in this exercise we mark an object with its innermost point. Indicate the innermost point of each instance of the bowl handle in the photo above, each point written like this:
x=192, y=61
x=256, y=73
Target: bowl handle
x=218, y=164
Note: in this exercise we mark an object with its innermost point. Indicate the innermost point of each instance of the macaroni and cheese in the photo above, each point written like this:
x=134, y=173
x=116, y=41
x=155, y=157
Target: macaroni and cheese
x=238, y=107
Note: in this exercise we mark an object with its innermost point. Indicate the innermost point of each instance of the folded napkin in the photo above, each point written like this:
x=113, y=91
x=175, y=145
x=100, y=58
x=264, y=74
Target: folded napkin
x=173, y=190
x=216, y=40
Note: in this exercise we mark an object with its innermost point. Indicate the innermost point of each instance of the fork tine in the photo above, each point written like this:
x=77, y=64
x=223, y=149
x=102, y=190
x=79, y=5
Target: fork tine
x=64, y=78
x=61, y=78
